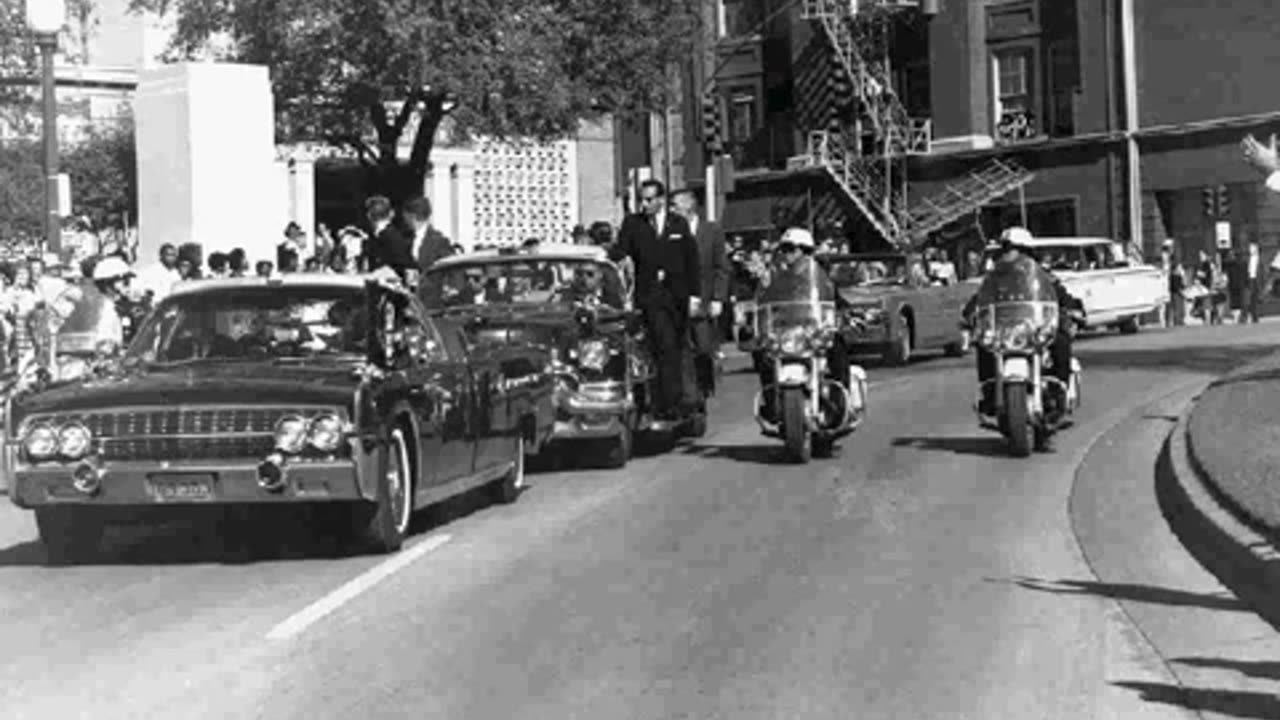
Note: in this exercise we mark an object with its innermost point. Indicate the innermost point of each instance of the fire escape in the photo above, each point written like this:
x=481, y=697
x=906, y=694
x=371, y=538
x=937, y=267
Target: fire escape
x=866, y=154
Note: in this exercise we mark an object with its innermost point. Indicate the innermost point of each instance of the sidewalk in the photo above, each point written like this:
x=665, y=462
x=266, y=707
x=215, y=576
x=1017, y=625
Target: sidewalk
x=1223, y=495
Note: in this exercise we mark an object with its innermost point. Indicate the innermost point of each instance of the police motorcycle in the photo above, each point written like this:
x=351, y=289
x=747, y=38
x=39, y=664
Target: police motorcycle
x=797, y=327
x=1016, y=317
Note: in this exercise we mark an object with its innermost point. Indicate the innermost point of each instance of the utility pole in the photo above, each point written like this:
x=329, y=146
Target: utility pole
x=712, y=22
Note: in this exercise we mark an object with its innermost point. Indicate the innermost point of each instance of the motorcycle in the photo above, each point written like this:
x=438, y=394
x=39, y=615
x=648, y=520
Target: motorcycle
x=1016, y=318
x=797, y=325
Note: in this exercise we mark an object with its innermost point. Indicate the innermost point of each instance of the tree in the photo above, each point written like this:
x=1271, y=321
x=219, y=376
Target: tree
x=21, y=190
x=362, y=74
x=104, y=175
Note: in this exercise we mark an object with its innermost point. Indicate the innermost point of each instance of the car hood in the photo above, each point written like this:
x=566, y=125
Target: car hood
x=222, y=383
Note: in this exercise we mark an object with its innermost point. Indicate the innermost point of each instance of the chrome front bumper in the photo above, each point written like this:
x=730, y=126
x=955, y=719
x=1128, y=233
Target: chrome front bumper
x=602, y=411
x=120, y=484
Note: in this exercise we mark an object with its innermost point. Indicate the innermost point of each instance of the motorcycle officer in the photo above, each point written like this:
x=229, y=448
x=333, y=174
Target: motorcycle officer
x=1014, y=243
x=794, y=256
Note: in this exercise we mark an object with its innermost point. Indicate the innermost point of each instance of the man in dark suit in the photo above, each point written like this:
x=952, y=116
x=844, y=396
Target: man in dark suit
x=713, y=260
x=428, y=244
x=667, y=288
x=386, y=245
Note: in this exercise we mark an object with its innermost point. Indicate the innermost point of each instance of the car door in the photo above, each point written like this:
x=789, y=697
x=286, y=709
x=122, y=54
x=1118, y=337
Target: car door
x=457, y=404
x=492, y=445
x=428, y=364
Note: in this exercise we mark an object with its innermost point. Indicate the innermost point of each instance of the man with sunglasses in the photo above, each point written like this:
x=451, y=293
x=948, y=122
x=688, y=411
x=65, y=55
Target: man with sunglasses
x=667, y=280
x=794, y=257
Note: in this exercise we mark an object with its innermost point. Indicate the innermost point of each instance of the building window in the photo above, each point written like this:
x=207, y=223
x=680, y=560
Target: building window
x=1014, y=72
x=742, y=115
x=741, y=18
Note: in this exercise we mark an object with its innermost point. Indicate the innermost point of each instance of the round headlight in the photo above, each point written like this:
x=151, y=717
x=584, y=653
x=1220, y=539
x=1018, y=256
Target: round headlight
x=326, y=432
x=1019, y=336
x=593, y=354
x=793, y=342
x=291, y=434
x=74, y=440
x=41, y=442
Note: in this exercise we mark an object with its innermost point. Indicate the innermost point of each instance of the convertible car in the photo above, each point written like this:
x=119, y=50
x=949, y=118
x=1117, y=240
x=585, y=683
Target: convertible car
x=336, y=394
x=571, y=300
x=894, y=308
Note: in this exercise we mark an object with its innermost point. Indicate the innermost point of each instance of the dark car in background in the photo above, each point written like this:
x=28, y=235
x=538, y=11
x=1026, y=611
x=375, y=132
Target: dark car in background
x=333, y=394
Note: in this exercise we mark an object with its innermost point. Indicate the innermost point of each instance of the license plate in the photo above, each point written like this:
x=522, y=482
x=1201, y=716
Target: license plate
x=180, y=488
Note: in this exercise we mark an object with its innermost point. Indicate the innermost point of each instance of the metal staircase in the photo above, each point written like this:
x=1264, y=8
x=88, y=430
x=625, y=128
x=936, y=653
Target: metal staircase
x=992, y=182
x=873, y=174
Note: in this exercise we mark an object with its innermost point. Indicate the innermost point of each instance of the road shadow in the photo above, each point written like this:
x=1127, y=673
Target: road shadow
x=771, y=454
x=1132, y=593
x=1260, y=705
x=254, y=536
x=1253, y=669
x=1212, y=359
x=982, y=445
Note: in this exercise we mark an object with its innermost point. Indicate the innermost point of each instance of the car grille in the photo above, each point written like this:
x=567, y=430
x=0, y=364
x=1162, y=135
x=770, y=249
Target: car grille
x=144, y=434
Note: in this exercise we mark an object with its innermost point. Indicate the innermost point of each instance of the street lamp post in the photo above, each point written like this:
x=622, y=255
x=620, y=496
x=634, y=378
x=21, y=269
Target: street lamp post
x=46, y=18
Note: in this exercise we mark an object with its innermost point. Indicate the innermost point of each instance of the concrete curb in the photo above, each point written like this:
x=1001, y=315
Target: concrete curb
x=1242, y=558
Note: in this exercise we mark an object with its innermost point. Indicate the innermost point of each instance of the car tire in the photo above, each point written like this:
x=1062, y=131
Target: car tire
x=388, y=523
x=620, y=449
x=507, y=489
x=1131, y=325
x=69, y=535
x=899, y=351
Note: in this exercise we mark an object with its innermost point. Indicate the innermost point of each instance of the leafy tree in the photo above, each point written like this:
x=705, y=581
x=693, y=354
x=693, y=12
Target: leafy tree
x=365, y=74
x=21, y=190
x=104, y=175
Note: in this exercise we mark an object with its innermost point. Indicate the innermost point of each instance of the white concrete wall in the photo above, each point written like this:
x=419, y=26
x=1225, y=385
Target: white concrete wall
x=207, y=171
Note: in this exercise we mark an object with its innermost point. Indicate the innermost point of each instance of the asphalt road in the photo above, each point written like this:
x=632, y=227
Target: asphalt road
x=919, y=574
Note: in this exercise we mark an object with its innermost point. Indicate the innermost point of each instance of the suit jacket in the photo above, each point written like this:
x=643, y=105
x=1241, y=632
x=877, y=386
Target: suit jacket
x=393, y=248
x=673, y=251
x=713, y=258
x=434, y=246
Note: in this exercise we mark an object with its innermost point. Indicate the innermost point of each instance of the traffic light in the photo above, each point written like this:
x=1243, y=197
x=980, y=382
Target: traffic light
x=1210, y=197
x=711, y=140
x=1224, y=201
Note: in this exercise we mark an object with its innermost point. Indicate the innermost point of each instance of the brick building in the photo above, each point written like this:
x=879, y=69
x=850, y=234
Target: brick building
x=908, y=120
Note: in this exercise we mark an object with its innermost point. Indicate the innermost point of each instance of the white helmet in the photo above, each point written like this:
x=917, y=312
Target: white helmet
x=1016, y=236
x=111, y=268
x=799, y=237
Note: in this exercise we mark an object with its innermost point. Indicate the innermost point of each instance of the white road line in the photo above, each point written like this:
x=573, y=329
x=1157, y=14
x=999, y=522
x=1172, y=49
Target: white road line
x=316, y=611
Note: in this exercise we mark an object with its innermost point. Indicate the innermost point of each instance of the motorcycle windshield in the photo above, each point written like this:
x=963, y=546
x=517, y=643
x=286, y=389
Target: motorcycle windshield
x=802, y=297
x=1017, y=306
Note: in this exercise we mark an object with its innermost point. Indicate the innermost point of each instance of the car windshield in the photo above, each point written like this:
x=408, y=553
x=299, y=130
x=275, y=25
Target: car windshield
x=526, y=282
x=249, y=323
x=872, y=271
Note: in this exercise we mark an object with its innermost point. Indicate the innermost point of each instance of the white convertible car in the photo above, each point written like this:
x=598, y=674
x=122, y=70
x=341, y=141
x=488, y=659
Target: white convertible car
x=1117, y=289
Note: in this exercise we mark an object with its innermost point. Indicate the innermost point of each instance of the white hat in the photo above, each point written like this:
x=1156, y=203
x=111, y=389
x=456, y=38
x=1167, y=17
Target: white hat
x=799, y=237
x=110, y=268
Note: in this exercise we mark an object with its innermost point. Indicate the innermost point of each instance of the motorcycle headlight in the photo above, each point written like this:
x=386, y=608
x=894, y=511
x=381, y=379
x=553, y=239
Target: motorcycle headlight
x=41, y=442
x=794, y=341
x=74, y=440
x=325, y=433
x=593, y=354
x=1019, y=337
x=291, y=434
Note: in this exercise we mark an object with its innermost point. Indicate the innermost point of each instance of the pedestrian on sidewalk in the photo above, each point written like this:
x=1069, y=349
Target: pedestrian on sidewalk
x=1255, y=282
